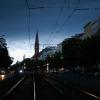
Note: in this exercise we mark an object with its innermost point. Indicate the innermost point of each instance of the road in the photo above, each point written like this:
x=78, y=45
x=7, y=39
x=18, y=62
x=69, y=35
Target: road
x=46, y=91
x=70, y=88
x=33, y=87
x=22, y=91
x=36, y=86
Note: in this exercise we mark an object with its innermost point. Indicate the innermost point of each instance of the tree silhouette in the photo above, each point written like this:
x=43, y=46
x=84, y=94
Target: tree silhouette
x=71, y=52
x=84, y=53
x=5, y=60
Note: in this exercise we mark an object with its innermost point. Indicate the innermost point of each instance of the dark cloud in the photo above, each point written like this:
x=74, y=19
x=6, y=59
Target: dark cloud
x=55, y=22
x=56, y=18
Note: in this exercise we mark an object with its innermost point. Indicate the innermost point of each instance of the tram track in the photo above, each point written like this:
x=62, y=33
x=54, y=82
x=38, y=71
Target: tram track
x=71, y=91
x=46, y=91
x=36, y=86
x=8, y=92
x=22, y=90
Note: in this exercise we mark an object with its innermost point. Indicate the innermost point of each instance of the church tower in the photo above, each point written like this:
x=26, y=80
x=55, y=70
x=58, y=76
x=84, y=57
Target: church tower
x=36, y=46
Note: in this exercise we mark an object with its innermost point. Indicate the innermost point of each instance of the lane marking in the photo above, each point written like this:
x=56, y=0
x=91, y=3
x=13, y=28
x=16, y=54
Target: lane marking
x=13, y=87
x=34, y=90
x=97, y=97
x=60, y=91
x=34, y=85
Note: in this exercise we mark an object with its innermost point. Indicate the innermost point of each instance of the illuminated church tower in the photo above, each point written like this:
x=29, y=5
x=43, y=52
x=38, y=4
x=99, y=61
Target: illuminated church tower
x=36, y=46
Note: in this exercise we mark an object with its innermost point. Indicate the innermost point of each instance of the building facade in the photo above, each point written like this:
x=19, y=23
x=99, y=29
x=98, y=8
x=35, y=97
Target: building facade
x=59, y=47
x=91, y=28
x=48, y=51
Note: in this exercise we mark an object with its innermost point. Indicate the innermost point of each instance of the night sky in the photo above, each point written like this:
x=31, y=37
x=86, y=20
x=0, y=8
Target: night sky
x=58, y=20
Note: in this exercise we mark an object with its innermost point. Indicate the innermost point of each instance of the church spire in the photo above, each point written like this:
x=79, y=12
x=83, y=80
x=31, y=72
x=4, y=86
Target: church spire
x=36, y=46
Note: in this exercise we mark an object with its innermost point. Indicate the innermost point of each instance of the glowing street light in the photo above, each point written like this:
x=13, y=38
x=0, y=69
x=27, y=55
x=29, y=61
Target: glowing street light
x=2, y=77
x=47, y=67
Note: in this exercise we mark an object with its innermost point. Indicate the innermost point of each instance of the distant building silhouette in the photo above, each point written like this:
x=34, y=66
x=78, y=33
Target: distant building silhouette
x=48, y=51
x=36, y=47
x=91, y=28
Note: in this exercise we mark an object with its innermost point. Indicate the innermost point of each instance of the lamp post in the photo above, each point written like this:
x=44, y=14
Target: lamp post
x=47, y=67
x=62, y=65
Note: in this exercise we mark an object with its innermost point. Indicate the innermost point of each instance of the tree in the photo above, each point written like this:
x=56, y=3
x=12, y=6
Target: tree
x=5, y=59
x=90, y=51
x=54, y=60
x=71, y=52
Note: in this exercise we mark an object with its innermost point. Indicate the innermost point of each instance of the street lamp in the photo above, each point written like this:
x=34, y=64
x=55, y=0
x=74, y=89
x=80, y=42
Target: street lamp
x=62, y=66
x=47, y=67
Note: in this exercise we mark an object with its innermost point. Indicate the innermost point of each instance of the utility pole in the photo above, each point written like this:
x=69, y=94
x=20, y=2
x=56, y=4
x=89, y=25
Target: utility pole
x=23, y=67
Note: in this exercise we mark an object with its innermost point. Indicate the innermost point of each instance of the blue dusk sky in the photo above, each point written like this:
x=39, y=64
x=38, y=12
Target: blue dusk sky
x=57, y=20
